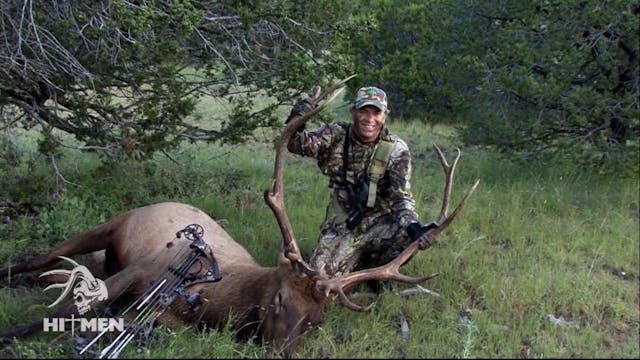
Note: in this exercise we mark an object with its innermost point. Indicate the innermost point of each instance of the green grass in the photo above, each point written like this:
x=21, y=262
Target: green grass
x=535, y=240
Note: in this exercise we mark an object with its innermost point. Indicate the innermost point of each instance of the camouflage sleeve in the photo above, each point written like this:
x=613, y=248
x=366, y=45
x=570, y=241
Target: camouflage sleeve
x=400, y=197
x=311, y=143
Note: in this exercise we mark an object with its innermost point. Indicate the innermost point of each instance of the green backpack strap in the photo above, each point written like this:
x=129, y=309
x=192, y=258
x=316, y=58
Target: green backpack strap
x=378, y=167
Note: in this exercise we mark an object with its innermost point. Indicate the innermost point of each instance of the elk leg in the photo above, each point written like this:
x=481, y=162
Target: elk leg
x=95, y=239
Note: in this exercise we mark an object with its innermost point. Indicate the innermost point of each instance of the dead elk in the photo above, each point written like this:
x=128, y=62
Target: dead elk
x=278, y=304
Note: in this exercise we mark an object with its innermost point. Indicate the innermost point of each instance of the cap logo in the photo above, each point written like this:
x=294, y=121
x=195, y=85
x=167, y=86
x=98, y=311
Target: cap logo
x=371, y=96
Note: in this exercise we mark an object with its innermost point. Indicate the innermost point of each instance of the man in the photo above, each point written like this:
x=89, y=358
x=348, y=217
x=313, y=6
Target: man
x=371, y=216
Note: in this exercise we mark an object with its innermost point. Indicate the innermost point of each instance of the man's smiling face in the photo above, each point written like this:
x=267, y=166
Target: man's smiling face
x=368, y=121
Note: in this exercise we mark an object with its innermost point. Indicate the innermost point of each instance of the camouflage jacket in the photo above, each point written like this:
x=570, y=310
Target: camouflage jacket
x=326, y=145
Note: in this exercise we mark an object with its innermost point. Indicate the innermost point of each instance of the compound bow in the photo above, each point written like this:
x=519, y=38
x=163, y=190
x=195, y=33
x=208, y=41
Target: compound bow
x=163, y=290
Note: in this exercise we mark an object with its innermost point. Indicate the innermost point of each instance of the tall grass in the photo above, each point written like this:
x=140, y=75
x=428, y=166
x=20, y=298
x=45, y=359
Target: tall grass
x=536, y=242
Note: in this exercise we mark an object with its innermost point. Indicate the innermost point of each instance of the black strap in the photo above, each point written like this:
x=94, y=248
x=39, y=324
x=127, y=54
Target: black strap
x=345, y=154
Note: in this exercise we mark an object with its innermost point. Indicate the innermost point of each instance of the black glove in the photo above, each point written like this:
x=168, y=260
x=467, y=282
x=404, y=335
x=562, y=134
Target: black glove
x=415, y=231
x=301, y=107
x=304, y=105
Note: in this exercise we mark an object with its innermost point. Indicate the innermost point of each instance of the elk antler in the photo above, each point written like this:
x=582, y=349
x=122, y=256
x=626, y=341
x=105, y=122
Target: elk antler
x=275, y=197
x=443, y=219
x=391, y=270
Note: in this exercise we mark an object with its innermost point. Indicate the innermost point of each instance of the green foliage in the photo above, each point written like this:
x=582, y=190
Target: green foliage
x=419, y=52
x=529, y=78
x=126, y=78
x=562, y=83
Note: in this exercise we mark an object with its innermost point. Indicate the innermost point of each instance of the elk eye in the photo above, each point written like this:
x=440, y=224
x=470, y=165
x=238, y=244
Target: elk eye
x=278, y=302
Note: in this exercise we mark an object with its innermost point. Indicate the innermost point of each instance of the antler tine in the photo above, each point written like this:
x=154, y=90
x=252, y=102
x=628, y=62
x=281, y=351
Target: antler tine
x=275, y=196
x=448, y=180
x=391, y=270
x=443, y=219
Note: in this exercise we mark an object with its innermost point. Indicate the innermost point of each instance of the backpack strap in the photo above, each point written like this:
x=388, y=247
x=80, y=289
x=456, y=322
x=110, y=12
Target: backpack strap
x=378, y=167
x=345, y=154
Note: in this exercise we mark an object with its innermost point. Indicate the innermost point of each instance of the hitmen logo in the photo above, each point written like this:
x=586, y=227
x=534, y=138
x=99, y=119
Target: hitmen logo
x=86, y=289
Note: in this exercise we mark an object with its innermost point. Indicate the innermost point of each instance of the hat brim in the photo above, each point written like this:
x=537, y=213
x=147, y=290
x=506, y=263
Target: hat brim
x=375, y=103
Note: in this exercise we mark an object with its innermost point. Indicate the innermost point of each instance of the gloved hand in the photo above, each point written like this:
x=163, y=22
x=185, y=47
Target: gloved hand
x=415, y=230
x=301, y=107
x=304, y=105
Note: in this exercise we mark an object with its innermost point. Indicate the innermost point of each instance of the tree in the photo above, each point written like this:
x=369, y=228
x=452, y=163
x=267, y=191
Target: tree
x=560, y=77
x=418, y=52
x=529, y=77
x=125, y=76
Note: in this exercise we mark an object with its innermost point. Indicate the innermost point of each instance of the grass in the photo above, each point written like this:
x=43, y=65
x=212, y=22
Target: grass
x=536, y=241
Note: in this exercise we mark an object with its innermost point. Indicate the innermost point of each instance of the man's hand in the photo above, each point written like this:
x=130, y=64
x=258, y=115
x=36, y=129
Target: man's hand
x=301, y=107
x=416, y=231
x=304, y=105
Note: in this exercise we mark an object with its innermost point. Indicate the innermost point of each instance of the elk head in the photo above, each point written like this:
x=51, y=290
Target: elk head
x=295, y=308
x=300, y=301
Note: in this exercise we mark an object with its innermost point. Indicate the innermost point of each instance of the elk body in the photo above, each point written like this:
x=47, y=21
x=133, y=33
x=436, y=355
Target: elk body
x=139, y=245
x=278, y=304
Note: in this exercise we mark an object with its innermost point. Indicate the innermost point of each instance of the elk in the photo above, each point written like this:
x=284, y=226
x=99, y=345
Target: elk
x=277, y=305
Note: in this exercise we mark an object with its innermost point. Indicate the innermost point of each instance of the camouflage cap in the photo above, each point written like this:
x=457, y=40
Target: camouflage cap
x=370, y=95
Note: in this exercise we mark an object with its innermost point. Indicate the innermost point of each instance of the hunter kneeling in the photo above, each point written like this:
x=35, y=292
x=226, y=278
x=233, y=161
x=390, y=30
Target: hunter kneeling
x=371, y=217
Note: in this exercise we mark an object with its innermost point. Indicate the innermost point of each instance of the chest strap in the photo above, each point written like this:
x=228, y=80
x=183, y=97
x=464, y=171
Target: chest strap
x=378, y=167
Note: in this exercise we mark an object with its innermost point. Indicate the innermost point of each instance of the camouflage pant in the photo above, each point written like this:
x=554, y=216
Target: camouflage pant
x=340, y=251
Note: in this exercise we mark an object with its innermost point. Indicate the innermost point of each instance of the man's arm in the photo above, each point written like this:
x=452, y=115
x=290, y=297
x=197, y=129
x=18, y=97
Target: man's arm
x=402, y=202
x=311, y=143
x=401, y=199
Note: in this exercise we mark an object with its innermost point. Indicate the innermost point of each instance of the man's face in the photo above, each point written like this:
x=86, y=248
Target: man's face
x=368, y=121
